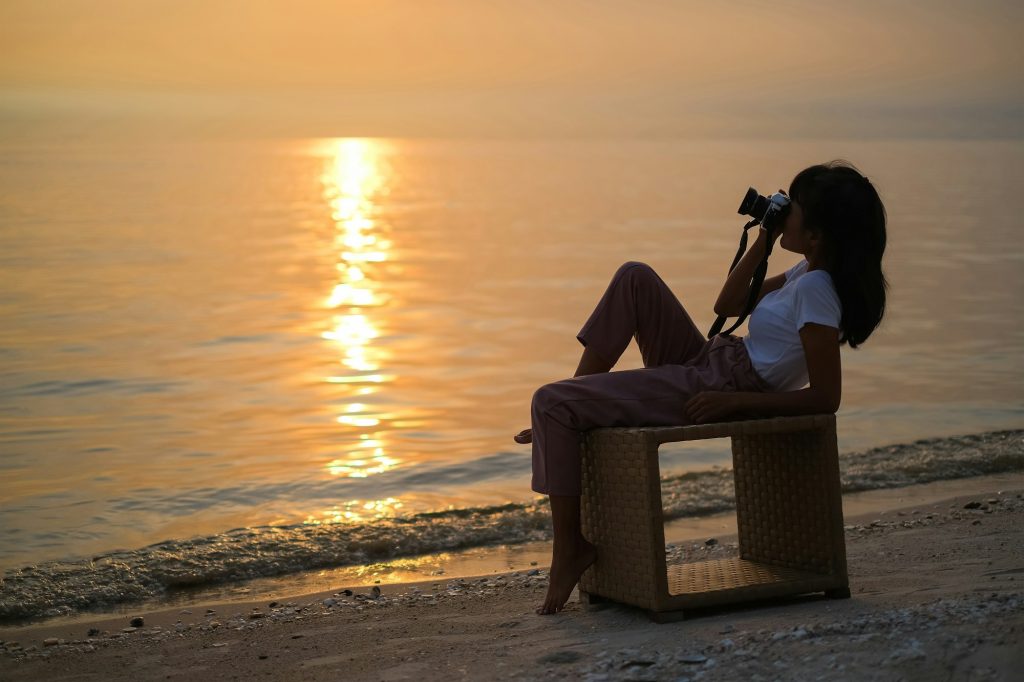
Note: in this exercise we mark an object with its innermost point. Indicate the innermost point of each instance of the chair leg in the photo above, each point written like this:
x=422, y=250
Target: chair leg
x=838, y=593
x=593, y=602
x=667, y=616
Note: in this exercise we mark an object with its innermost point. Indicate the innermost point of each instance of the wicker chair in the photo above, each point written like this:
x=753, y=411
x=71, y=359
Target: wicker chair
x=788, y=511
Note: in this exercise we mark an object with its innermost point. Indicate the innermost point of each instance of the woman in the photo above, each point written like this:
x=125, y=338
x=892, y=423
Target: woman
x=788, y=364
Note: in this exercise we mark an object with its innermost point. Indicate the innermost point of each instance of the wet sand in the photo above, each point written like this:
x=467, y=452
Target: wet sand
x=937, y=593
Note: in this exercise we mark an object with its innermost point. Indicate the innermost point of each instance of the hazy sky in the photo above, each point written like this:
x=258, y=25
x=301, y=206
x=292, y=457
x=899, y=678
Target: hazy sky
x=469, y=67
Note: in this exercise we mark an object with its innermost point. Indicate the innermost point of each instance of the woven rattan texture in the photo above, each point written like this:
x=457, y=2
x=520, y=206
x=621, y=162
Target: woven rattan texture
x=725, y=574
x=721, y=581
x=783, y=499
x=617, y=514
x=789, y=513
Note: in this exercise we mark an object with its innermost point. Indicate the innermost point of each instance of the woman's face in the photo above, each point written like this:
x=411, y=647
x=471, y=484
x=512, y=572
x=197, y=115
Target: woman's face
x=794, y=237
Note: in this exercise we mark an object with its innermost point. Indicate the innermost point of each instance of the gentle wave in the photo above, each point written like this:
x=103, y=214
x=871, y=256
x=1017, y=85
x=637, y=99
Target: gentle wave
x=61, y=588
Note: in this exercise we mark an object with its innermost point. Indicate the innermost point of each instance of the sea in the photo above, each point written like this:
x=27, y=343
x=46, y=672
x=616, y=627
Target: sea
x=225, y=358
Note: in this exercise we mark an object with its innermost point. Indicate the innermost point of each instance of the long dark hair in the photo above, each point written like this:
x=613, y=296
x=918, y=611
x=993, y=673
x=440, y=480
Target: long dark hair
x=843, y=207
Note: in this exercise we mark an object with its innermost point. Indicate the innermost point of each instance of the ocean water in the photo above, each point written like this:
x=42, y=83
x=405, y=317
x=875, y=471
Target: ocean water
x=317, y=338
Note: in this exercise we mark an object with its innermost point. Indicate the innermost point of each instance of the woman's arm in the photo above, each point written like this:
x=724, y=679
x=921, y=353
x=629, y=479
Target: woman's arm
x=734, y=292
x=822, y=395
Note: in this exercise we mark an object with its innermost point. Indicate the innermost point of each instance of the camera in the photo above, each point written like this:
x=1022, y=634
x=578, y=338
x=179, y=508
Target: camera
x=768, y=211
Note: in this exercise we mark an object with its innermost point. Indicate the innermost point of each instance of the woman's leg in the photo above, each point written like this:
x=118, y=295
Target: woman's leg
x=561, y=412
x=590, y=363
x=571, y=554
x=637, y=303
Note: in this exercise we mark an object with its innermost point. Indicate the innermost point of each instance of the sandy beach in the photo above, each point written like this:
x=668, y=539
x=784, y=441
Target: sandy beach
x=937, y=593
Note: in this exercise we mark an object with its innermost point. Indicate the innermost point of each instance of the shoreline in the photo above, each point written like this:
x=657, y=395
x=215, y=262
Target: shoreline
x=271, y=561
x=927, y=578
x=482, y=561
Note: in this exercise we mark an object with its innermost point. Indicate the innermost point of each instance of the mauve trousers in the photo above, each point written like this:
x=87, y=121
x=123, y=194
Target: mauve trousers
x=678, y=363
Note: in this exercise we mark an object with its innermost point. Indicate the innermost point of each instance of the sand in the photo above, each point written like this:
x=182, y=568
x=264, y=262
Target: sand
x=937, y=594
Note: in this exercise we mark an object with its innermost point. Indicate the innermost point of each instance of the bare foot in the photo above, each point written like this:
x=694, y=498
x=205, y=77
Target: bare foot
x=566, y=569
x=523, y=437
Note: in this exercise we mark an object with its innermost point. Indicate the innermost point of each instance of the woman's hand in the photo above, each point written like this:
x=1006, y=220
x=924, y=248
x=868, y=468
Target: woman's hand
x=712, y=406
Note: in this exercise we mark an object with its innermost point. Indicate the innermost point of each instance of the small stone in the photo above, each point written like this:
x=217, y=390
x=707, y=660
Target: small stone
x=533, y=571
x=637, y=663
x=992, y=500
x=137, y=622
x=298, y=635
x=693, y=659
x=255, y=615
x=128, y=629
x=263, y=657
x=219, y=644
x=533, y=563
x=972, y=505
x=330, y=602
x=185, y=612
x=711, y=542
x=375, y=592
x=51, y=641
x=976, y=522
x=272, y=604
x=93, y=632
x=560, y=657
x=727, y=629
x=347, y=593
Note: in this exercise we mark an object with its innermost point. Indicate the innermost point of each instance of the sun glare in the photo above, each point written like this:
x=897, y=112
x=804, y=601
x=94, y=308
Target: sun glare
x=352, y=179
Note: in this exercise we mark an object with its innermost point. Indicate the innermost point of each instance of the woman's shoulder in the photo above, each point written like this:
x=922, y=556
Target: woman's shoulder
x=817, y=284
x=797, y=270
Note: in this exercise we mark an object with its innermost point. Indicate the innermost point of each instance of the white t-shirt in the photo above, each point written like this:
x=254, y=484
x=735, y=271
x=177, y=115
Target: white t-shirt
x=773, y=337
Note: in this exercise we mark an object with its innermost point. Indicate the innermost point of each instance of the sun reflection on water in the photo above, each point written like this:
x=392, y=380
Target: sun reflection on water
x=352, y=180
x=356, y=510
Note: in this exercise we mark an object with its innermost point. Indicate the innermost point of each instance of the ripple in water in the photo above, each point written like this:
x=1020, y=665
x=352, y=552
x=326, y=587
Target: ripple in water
x=61, y=588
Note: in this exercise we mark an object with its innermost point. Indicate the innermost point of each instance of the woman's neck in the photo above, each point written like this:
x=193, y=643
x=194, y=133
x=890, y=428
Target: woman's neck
x=814, y=259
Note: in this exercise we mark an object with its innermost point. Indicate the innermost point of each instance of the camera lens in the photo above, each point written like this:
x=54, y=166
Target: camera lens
x=753, y=204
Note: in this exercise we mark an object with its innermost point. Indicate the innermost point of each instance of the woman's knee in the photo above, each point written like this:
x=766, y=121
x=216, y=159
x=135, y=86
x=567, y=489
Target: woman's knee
x=544, y=398
x=637, y=270
x=557, y=401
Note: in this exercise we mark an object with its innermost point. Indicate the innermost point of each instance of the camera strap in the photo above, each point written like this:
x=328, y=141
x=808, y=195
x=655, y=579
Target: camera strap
x=755, y=283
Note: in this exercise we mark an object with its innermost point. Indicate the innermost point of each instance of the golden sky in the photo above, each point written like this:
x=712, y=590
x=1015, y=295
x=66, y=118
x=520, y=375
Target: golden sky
x=488, y=66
